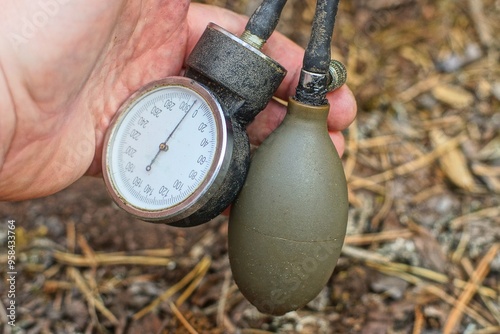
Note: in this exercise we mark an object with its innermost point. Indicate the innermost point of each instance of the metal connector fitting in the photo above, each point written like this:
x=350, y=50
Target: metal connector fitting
x=337, y=75
x=252, y=39
x=312, y=88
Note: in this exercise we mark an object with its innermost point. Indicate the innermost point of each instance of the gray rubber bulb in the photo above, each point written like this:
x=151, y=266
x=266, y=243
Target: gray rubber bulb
x=288, y=223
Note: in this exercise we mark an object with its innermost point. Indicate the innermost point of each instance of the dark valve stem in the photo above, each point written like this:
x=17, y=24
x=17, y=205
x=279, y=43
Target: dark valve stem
x=314, y=81
x=263, y=22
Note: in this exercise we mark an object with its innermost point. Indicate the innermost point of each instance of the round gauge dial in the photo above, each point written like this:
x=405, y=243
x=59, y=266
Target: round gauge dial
x=167, y=147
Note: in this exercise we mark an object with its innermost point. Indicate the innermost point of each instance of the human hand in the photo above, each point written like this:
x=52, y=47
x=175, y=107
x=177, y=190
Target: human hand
x=65, y=68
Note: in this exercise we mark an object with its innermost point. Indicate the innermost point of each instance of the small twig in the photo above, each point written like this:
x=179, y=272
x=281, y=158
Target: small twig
x=470, y=289
x=427, y=193
x=221, y=307
x=51, y=286
x=421, y=87
x=87, y=251
x=388, y=198
x=413, y=165
x=351, y=150
x=87, y=293
x=160, y=252
x=469, y=269
x=381, y=263
x=182, y=319
x=419, y=322
x=379, y=141
x=71, y=236
x=365, y=183
x=461, y=248
x=172, y=290
x=492, y=307
x=439, y=292
x=480, y=22
x=384, y=210
x=443, y=122
x=228, y=325
x=384, y=269
x=488, y=330
x=94, y=319
x=370, y=238
x=484, y=213
x=115, y=282
x=202, y=271
x=58, y=300
x=353, y=198
x=363, y=254
x=106, y=260
x=51, y=271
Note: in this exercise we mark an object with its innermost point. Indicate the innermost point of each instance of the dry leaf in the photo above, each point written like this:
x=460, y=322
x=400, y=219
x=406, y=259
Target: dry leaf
x=382, y=4
x=454, y=96
x=429, y=248
x=453, y=163
x=489, y=174
x=417, y=57
x=490, y=151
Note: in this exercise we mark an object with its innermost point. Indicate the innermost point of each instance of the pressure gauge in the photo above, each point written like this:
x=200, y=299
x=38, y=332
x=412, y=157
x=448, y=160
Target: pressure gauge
x=177, y=151
x=167, y=150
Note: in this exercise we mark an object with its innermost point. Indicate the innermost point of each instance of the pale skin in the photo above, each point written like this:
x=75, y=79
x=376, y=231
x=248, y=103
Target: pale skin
x=67, y=65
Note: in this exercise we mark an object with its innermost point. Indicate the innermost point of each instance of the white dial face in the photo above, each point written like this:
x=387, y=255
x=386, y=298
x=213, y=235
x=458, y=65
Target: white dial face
x=165, y=149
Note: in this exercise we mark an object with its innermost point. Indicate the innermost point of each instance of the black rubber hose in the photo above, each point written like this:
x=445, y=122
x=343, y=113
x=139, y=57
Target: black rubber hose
x=265, y=18
x=313, y=83
x=317, y=56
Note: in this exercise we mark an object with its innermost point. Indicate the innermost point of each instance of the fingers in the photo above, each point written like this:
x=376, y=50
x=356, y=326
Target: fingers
x=265, y=122
x=200, y=15
x=342, y=108
x=339, y=141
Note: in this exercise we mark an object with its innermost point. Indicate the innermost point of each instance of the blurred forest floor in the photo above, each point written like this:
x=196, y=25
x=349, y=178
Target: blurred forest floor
x=423, y=165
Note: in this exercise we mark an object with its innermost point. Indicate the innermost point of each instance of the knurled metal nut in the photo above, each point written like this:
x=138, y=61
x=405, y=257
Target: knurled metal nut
x=338, y=75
